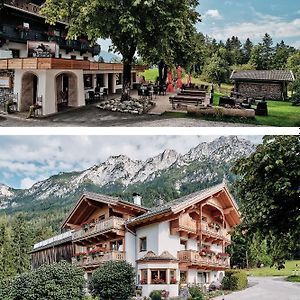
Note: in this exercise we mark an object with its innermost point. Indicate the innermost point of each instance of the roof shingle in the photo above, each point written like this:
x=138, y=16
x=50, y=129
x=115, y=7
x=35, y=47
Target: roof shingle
x=263, y=75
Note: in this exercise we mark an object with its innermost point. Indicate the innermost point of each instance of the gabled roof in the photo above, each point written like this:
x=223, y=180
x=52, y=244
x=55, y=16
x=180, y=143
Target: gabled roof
x=263, y=75
x=151, y=256
x=102, y=199
x=179, y=204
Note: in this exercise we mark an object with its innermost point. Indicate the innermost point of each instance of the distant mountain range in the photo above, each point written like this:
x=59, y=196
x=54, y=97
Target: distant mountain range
x=167, y=175
x=109, y=56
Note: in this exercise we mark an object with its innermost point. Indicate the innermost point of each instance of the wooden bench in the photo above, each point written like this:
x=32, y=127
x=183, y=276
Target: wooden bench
x=195, y=93
x=180, y=99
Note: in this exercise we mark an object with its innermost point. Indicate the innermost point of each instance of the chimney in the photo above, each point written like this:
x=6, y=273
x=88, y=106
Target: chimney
x=137, y=199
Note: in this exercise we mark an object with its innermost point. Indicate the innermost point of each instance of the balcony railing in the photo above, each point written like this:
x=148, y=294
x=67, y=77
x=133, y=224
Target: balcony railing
x=24, y=5
x=11, y=33
x=216, y=233
x=97, y=260
x=194, y=258
x=101, y=227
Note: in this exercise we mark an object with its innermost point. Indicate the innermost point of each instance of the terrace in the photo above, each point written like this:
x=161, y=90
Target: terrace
x=95, y=260
x=209, y=261
x=94, y=232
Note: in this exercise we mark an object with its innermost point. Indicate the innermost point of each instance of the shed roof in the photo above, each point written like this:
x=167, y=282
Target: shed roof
x=263, y=75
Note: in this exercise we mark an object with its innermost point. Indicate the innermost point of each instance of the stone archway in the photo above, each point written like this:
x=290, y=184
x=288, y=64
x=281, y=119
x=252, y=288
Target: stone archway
x=29, y=92
x=66, y=90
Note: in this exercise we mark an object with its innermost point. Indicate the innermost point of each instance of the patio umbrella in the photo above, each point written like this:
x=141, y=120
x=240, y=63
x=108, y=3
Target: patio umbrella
x=170, y=88
x=179, y=77
x=188, y=79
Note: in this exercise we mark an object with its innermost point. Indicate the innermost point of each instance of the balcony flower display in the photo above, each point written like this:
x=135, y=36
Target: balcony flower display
x=158, y=281
x=79, y=256
x=143, y=281
x=22, y=28
x=206, y=252
x=222, y=255
x=85, y=226
x=173, y=281
x=94, y=252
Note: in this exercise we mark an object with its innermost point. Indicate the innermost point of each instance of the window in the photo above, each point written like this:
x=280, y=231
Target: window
x=119, y=79
x=73, y=56
x=102, y=217
x=15, y=53
x=85, y=58
x=143, y=244
x=144, y=276
x=158, y=276
x=183, y=244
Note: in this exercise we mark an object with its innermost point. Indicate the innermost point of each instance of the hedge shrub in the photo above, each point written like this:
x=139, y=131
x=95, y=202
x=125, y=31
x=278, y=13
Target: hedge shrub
x=155, y=295
x=6, y=289
x=196, y=293
x=234, y=280
x=114, y=280
x=52, y=282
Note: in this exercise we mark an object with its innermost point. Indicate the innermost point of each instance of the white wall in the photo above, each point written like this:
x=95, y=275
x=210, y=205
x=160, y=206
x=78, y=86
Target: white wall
x=130, y=249
x=166, y=241
x=192, y=245
x=192, y=276
x=216, y=248
x=151, y=232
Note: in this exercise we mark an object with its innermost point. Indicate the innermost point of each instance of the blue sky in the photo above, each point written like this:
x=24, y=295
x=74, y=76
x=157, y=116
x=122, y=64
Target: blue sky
x=25, y=160
x=251, y=18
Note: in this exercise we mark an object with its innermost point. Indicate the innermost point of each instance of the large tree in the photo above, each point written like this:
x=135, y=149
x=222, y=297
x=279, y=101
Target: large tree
x=268, y=189
x=152, y=28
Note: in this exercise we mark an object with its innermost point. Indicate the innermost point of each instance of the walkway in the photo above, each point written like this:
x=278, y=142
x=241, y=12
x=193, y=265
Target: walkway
x=267, y=288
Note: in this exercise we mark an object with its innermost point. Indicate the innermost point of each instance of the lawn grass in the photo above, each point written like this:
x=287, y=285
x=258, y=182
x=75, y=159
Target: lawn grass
x=281, y=114
x=293, y=278
x=290, y=266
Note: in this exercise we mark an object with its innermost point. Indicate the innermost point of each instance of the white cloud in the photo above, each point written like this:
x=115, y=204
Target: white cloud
x=277, y=27
x=27, y=183
x=213, y=13
x=36, y=158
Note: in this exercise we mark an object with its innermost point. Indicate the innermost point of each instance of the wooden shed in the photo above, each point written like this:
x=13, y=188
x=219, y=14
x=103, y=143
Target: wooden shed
x=53, y=250
x=270, y=84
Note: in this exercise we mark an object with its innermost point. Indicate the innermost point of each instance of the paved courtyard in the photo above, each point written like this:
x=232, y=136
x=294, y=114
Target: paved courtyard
x=91, y=116
x=266, y=288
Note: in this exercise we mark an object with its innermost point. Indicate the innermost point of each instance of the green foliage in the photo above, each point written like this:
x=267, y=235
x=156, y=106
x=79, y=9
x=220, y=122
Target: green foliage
x=113, y=281
x=234, y=280
x=155, y=295
x=196, y=292
x=58, y=281
x=268, y=188
x=293, y=278
x=164, y=30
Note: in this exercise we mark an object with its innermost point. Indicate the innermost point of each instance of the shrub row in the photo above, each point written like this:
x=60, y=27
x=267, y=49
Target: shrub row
x=58, y=281
x=235, y=280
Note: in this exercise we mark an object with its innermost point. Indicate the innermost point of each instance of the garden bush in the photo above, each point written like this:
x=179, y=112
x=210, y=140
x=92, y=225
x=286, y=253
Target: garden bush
x=155, y=295
x=58, y=281
x=196, y=293
x=6, y=289
x=114, y=280
x=234, y=280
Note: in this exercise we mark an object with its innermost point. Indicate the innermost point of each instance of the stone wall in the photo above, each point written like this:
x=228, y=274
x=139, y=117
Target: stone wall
x=272, y=91
x=5, y=94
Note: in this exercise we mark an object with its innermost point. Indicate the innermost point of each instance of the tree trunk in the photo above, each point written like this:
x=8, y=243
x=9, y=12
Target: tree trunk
x=127, y=66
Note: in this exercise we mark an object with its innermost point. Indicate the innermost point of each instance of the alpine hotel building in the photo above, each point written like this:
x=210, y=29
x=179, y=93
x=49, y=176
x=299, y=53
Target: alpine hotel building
x=39, y=65
x=182, y=241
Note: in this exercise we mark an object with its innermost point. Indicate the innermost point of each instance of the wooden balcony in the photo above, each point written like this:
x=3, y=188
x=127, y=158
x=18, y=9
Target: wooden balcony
x=90, y=261
x=184, y=226
x=193, y=259
x=102, y=230
x=61, y=64
x=212, y=234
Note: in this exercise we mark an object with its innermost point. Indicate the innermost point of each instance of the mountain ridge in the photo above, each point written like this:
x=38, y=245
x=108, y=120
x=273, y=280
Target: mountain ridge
x=167, y=174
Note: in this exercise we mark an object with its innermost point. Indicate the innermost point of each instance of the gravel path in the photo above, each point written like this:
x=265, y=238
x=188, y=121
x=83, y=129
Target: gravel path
x=267, y=288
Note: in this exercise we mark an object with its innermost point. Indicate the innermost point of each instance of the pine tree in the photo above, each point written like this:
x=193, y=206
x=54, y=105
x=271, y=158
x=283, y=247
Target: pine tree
x=247, y=49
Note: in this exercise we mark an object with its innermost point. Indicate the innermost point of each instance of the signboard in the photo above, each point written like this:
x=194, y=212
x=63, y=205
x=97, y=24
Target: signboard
x=5, y=82
x=42, y=49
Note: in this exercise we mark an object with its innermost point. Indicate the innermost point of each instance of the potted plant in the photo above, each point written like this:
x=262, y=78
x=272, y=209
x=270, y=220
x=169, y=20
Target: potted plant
x=173, y=281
